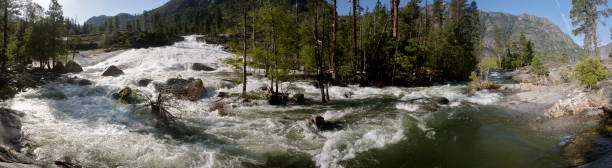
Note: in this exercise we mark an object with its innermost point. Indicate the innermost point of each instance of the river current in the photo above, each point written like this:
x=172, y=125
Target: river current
x=380, y=127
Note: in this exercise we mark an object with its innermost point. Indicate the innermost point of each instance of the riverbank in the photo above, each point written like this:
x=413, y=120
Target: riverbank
x=583, y=115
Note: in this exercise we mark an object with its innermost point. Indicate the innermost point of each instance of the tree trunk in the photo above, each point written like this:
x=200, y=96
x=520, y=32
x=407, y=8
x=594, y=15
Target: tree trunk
x=3, y=56
x=333, y=43
x=594, y=36
x=362, y=62
x=244, y=49
x=318, y=55
x=395, y=6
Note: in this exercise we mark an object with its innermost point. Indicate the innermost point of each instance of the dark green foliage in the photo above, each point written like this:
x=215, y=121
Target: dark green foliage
x=518, y=54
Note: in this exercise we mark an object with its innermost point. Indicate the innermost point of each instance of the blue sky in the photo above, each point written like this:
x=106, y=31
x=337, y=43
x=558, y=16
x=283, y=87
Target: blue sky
x=555, y=10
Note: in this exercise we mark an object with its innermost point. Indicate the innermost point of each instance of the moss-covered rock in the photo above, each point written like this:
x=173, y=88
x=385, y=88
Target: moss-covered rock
x=195, y=90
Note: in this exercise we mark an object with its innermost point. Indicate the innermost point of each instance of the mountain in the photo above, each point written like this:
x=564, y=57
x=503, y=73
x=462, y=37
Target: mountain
x=98, y=21
x=549, y=41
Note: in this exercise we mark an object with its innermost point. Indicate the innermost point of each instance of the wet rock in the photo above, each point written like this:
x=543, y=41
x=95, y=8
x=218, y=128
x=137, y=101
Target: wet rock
x=348, y=94
x=195, y=90
x=143, y=82
x=223, y=95
x=72, y=67
x=85, y=82
x=217, y=106
x=127, y=96
x=440, y=100
x=322, y=125
x=6, y=91
x=10, y=128
x=66, y=164
x=431, y=104
x=59, y=67
x=275, y=98
x=201, y=67
x=189, y=89
x=112, y=71
x=298, y=98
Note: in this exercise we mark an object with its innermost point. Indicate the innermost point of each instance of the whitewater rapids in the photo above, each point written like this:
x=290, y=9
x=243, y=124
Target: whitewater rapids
x=88, y=128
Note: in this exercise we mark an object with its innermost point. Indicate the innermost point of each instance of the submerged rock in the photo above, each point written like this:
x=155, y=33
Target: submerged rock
x=431, y=104
x=201, y=67
x=85, y=82
x=143, y=82
x=52, y=93
x=112, y=71
x=275, y=98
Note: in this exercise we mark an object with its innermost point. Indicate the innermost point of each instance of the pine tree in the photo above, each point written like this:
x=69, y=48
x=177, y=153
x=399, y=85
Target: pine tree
x=585, y=15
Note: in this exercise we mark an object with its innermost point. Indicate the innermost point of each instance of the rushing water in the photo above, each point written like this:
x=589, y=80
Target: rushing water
x=379, y=127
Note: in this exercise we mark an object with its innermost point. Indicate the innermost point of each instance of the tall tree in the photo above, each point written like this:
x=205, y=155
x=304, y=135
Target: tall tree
x=333, y=38
x=244, y=47
x=395, y=11
x=56, y=21
x=355, y=53
x=585, y=14
x=7, y=6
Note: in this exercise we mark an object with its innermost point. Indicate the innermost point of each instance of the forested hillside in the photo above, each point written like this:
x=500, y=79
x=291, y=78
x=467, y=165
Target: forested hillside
x=500, y=30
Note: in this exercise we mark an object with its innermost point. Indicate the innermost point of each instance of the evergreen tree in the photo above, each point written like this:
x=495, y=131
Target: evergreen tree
x=585, y=15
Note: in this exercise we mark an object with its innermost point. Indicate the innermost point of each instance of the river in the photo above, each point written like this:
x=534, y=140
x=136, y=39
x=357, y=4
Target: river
x=380, y=128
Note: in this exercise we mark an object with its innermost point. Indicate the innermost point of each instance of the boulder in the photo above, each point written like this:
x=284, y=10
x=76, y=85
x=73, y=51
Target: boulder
x=72, y=67
x=59, y=67
x=112, y=71
x=431, y=104
x=143, y=82
x=223, y=95
x=440, y=100
x=85, y=82
x=201, y=67
x=6, y=91
x=322, y=125
x=10, y=129
x=298, y=98
x=195, y=90
x=189, y=89
x=127, y=96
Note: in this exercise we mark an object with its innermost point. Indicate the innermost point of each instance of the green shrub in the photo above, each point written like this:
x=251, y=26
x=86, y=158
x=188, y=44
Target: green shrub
x=537, y=68
x=590, y=71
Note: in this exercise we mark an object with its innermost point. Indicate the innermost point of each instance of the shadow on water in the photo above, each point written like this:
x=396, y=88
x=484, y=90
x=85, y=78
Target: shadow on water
x=467, y=136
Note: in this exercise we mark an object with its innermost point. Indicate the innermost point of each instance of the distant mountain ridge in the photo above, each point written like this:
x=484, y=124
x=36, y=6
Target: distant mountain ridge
x=549, y=41
x=99, y=21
